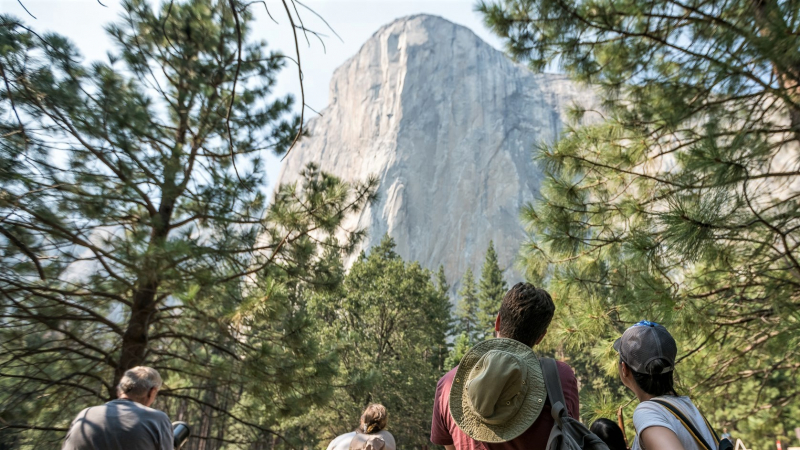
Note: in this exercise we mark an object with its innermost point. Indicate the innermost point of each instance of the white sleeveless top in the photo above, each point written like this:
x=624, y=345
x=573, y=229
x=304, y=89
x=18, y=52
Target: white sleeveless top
x=382, y=440
x=651, y=414
x=342, y=442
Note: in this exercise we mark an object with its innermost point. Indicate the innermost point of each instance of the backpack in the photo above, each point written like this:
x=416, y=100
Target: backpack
x=721, y=444
x=567, y=433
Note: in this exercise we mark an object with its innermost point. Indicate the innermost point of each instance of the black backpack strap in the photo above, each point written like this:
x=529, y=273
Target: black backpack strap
x=552, y=381
x=686, y=423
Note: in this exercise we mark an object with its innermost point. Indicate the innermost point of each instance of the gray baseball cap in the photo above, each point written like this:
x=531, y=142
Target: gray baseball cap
x=644, y=343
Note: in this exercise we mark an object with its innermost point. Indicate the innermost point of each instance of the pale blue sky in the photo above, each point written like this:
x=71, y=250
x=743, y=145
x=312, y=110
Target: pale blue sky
x=354, y=20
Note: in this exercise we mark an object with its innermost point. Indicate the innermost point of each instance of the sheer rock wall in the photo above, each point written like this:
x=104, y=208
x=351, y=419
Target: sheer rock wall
x=449, y=125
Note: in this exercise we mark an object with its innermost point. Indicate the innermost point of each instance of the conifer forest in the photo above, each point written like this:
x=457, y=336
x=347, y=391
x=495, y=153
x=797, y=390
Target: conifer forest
x=135, y=228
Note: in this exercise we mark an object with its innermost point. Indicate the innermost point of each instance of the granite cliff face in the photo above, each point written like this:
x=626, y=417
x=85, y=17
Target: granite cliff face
x=449, y=125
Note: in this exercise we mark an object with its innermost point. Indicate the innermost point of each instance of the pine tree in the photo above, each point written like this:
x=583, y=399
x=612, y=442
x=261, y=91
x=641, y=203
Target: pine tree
x=467, y=309
x=461, y=346
x=445, y=308
x=491, y=289
x=136, y=231
x=441, y=282
x=679, y=202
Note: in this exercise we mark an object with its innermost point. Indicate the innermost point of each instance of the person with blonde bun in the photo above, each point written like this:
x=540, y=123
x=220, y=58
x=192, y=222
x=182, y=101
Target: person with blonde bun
x=371, y=433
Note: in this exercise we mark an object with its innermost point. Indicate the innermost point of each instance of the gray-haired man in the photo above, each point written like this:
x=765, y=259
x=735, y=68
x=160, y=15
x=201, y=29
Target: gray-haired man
x=127, y=422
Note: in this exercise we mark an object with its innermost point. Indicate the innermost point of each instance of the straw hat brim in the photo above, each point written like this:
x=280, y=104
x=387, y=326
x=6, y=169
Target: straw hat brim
x=469, y=422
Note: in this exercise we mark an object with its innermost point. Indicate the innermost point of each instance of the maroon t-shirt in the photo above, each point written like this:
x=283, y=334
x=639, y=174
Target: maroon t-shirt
x=444, y=430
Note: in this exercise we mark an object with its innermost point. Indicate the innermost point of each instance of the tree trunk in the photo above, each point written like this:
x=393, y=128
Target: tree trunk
x=143, y=308
x=770, y=22
x=134, y=340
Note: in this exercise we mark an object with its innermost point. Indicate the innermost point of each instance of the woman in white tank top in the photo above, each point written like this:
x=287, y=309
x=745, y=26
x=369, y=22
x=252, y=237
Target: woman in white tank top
x=663, y=420
x=371, y=433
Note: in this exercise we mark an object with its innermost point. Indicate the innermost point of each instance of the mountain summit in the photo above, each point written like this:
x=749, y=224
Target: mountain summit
x=449, y=125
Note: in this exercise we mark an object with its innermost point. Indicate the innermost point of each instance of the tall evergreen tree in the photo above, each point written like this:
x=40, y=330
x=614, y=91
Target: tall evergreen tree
x=466, y=328
x=446, y=307
x=679, y=202
x=461, y=345
x=491, y=289
x=135, y=229
x=441, y=282
x=467, y=308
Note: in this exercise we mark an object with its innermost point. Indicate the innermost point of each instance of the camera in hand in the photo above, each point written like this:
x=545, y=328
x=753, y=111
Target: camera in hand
x=181, y=432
